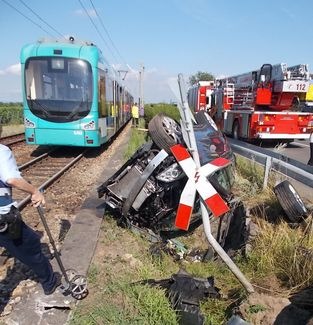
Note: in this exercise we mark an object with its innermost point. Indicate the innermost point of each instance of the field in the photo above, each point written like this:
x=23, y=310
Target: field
x=11, y=113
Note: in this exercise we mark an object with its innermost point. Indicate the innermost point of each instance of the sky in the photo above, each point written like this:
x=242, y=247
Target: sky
x=161, y=38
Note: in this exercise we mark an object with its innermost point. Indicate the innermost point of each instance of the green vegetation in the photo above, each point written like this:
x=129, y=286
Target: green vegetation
x=137, y=138
x=200, y=76
x=170, y=110
x=280, y=260
x=11, y=113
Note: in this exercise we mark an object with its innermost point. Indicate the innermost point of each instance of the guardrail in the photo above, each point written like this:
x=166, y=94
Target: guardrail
x=274, y=160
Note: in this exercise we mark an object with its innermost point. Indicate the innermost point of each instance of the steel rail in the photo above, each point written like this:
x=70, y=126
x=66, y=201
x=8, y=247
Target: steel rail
x=33, y=161
x=12, y=139
x=51, y=180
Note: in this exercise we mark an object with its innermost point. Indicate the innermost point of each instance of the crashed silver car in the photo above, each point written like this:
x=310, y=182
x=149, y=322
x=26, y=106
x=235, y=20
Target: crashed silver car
x=145, y=192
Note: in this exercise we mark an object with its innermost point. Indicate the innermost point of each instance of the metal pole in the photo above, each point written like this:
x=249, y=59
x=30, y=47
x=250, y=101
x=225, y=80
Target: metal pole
x=268, y=166
x=56, y=252
x=142, y=96
x=219, y=250
x=139, y=101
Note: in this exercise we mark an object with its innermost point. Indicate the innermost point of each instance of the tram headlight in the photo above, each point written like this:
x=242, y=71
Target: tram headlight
x=28, y=123
x=89, y=126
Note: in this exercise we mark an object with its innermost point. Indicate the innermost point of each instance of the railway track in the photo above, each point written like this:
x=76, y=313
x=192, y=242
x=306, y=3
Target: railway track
x=13, y=139
x=45, y=169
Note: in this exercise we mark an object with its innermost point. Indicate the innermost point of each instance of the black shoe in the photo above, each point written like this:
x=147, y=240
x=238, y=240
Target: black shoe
x=57, y=282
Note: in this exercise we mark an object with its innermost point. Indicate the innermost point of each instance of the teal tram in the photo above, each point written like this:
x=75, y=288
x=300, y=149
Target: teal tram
x=71, y=95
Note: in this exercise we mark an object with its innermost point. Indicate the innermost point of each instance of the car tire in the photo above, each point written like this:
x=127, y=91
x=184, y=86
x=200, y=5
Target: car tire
x=290, y=201
x=165, y=132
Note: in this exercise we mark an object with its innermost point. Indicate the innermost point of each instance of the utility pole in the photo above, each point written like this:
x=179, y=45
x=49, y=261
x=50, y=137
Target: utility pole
x=141, y=95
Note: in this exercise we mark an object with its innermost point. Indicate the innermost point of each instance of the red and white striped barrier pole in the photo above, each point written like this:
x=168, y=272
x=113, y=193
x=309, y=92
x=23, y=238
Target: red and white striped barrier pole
x=197, y=182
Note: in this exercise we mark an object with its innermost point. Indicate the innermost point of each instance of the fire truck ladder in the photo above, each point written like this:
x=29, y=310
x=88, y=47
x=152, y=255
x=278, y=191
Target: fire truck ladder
x=229, y=93
x=243, y=98
x=190, y=140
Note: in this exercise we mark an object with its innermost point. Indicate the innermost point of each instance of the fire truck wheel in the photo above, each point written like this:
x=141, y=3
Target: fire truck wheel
x=290, y=201
x=165, y=132
x=235, y=130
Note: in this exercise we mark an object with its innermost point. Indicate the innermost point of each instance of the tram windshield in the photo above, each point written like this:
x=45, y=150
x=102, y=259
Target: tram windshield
x=58, y=89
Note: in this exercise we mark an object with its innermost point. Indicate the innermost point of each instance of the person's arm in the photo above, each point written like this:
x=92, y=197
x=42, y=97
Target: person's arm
x=21, y=184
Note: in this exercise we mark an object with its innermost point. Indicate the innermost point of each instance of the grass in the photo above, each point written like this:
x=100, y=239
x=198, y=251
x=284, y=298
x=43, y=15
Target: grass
x=289, y=255
x=138, y=137
x=280, y=261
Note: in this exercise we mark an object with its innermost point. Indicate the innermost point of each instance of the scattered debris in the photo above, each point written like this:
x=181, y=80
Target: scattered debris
x=236, y=320
x=185, y=293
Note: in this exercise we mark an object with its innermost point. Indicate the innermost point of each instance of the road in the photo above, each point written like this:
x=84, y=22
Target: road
x=298, y=150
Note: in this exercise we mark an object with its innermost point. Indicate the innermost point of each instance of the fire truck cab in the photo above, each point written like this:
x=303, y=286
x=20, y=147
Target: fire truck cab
x=265, y=103
x=200, y=96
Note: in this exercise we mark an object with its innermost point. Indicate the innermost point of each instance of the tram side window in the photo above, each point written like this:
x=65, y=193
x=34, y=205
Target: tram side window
x=102, y=95
x=109, y=95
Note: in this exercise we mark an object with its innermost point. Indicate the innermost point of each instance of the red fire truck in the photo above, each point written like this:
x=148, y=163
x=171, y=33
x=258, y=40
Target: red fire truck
x=265, y=104
x=200, y=96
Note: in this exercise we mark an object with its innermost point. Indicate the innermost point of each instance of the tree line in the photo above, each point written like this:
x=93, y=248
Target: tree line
x=200, y=76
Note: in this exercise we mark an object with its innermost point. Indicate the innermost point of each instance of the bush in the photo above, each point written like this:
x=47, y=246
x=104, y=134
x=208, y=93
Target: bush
x=168, y=109
x=11, y=113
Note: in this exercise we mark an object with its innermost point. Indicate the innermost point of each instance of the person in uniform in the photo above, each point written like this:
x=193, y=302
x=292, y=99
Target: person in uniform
x=135, y=115
x=16, y=237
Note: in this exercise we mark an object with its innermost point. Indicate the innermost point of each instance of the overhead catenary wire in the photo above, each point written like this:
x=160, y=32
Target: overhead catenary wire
x=32, y=21
x=97, y=29
x=107, y=33
x=41, y=19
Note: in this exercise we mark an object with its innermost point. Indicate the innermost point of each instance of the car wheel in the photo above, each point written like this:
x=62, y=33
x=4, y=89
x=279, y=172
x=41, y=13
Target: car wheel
x=290, y=201
x=165, y=132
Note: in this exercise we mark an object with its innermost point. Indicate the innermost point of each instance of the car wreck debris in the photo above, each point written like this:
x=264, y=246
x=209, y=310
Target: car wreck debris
x=145, y=192
x=185, y=293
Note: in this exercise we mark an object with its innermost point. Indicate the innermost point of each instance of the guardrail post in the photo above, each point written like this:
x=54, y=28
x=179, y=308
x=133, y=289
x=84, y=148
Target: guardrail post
x=268, y=165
